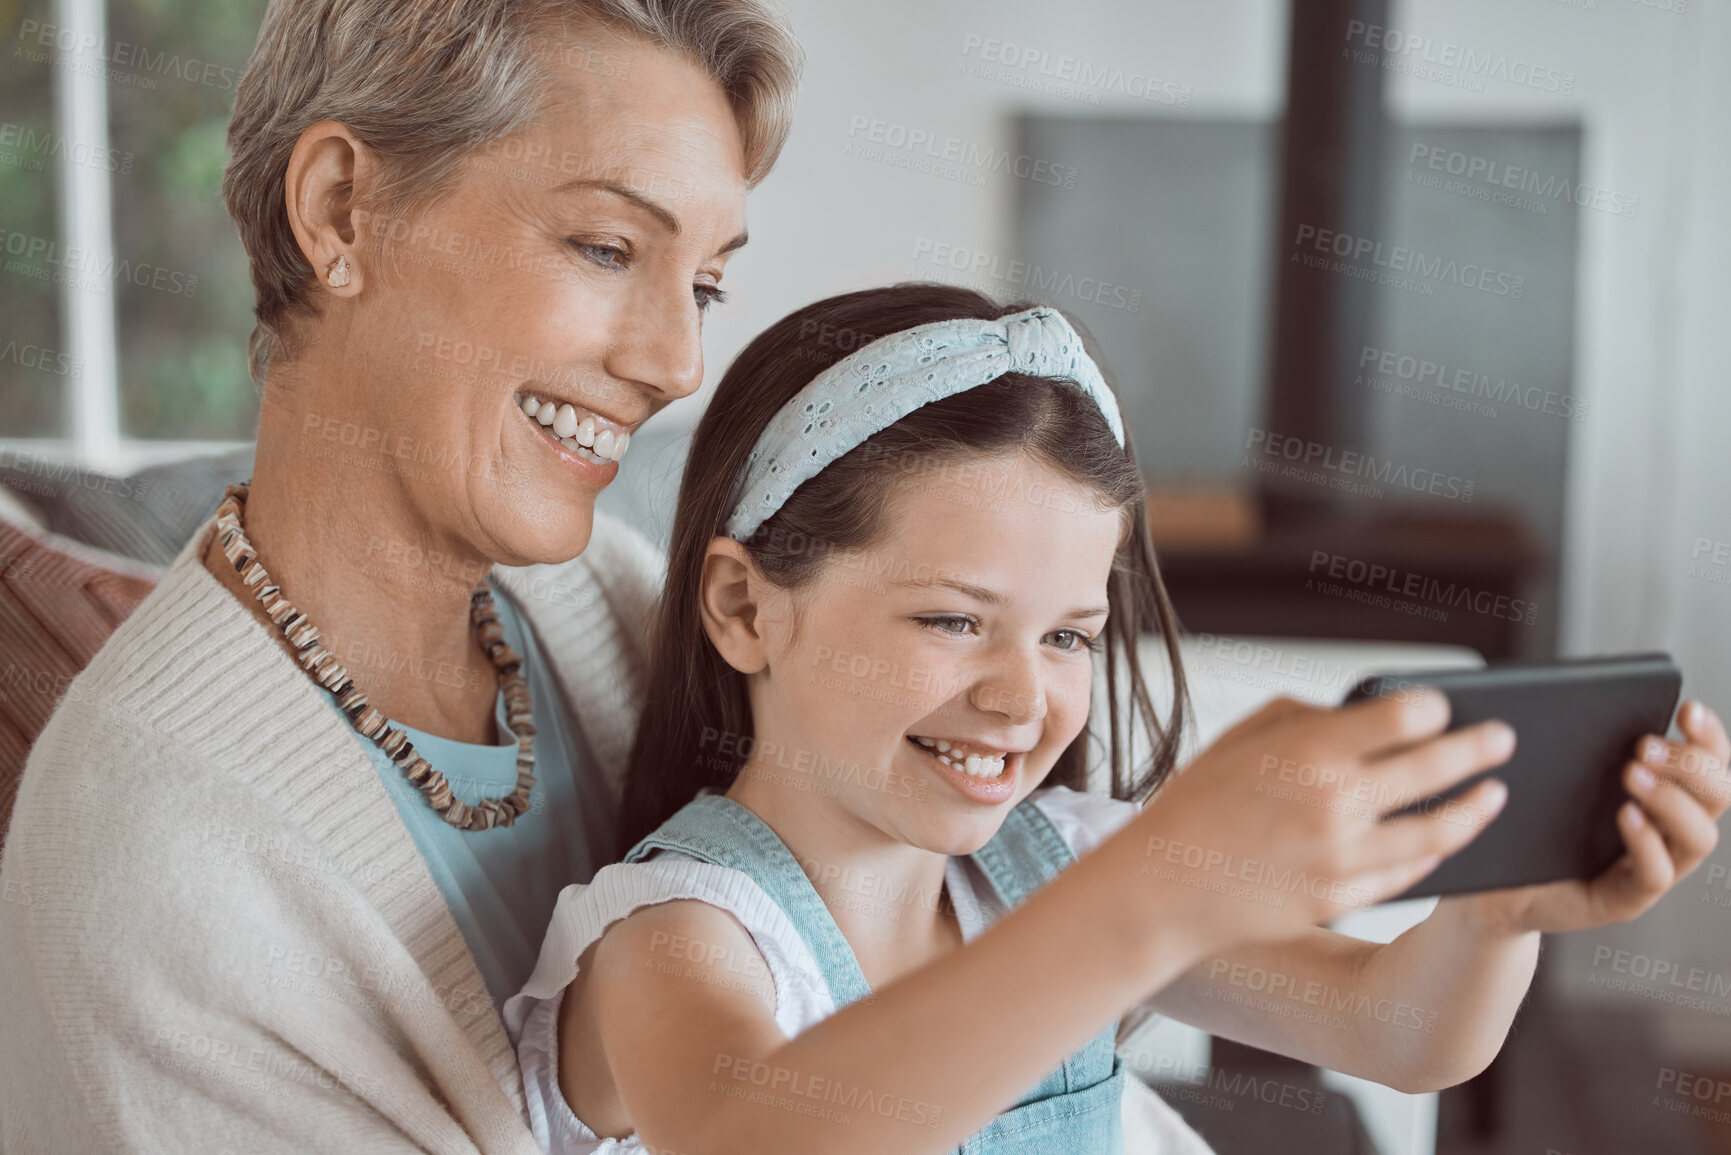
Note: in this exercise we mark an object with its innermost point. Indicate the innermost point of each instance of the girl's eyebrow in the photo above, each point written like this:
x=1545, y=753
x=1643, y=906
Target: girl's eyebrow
x=966, y=589
x=990, y=597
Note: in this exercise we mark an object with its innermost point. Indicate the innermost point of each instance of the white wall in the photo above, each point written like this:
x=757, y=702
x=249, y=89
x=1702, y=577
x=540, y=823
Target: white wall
x=825, y=222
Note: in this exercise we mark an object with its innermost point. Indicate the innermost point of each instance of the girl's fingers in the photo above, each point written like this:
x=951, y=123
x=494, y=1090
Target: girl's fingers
x=1705, y=728
x=1432, y=767
x=1675, y=814
x=1693, y=768
x=1650, y=867
x=1378, y=726
x=1382, y=885
x=1443, y=830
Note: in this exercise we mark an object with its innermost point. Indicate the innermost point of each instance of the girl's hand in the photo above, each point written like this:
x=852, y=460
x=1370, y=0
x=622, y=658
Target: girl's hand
x=1669, y=826
x=1276, y=827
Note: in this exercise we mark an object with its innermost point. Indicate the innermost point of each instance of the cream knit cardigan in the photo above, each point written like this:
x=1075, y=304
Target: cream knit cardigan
x=216, y=933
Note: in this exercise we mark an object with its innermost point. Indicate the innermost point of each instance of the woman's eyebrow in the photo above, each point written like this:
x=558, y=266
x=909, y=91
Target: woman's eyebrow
x=664, y=215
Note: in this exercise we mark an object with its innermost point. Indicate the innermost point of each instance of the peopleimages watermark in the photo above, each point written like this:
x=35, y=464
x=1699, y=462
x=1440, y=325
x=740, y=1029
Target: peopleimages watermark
x=30, y=356
x=1673, y=7
x=802, y=1093
x=1257, y=663
x=1239, y=1085
x=1346, y=469
x=1262, y=882
x=1435, y=382
x=462, y=359
x=1380, y=585
x=73, y=265
x=1067, y=77
x=37, y=39
x=1659, y=979
x=978, y=267
x=1277, y=988
x=1710, y=561
x=802, y=769
x=1448, y=62
x=34, y=146
x=1500, y=183
x=1690, y=1093
x=220, y=1060
x=1397, y=265
x=1718, y=890
x=883, y=140
x=49, y=476
x=1367, y=797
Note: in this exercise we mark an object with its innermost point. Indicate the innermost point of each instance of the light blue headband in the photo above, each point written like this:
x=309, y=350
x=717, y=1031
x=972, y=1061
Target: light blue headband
x=878, y=385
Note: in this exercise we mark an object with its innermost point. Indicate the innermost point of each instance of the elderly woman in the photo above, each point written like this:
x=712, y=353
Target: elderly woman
x=299, y=827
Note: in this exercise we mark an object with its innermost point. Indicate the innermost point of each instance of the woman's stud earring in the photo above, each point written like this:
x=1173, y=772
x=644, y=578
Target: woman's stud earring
x=337, y=273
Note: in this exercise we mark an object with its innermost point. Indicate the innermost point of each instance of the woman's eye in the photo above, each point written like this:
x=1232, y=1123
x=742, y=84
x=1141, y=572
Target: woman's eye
x=607, y=256
x=707, y=295
x=949, y=623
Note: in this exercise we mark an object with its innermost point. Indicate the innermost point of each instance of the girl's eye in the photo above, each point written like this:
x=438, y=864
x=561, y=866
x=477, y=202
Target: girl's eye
x=1076, y=640
x=953, y=624
x=607, y=256
x=707, y=295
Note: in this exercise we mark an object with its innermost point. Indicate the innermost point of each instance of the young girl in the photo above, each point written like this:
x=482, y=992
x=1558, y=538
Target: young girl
x=873, y=907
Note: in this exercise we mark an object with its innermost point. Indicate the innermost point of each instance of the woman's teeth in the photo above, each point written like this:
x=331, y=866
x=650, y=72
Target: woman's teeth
x=561, y=423
x=973, y=765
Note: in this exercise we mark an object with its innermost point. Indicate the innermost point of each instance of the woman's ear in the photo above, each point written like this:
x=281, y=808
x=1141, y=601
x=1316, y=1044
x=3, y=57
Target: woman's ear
x=728, y=598
x=328, y=166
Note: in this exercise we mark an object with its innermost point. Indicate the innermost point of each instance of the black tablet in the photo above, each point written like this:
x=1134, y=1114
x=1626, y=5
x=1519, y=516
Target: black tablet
x=1576, y=726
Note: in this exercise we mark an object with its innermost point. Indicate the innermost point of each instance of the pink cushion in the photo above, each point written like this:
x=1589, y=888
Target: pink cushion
x=58, y=604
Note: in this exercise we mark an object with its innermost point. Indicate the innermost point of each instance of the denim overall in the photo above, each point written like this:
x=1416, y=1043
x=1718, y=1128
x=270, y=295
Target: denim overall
x=1074, y=1109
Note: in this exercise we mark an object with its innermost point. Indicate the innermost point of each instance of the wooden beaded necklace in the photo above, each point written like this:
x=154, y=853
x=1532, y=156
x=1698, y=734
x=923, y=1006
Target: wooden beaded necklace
x=323, y=666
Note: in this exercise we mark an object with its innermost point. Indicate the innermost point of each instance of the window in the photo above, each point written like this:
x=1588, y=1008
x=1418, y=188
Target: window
x=124, y=285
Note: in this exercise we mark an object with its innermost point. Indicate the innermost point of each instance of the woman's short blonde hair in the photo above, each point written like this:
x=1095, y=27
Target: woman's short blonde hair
x=425, y=82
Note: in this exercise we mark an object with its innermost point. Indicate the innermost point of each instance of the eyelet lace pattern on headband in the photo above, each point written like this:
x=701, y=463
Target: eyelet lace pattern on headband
x=875, y=387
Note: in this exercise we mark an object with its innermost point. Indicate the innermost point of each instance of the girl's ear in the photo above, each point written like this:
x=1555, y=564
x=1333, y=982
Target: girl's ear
x=727, y=596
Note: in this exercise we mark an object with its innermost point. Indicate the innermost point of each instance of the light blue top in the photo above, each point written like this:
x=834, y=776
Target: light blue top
x=501, y=885
x=1075, y=1109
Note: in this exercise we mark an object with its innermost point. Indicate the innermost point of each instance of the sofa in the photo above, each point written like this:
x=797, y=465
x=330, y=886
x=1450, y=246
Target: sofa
x=80, y=549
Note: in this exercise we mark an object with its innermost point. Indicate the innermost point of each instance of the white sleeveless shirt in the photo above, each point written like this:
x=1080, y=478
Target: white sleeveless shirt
x=802, y=999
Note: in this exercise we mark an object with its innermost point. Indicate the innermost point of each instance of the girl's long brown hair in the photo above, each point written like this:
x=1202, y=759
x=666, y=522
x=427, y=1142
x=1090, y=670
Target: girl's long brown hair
x=694, y=697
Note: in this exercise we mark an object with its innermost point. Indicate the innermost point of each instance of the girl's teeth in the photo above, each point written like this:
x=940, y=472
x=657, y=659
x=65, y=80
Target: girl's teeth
x=565, y=421
x=973, y=765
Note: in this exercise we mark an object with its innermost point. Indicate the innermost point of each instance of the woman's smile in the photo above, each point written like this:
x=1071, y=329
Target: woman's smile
x=582, y=434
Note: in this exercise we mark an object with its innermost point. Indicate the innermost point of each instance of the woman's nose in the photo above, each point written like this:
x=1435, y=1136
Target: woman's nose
x=659, y=344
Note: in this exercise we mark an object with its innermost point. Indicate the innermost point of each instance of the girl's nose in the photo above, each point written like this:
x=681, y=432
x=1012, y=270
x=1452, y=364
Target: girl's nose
x=1011, y=686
